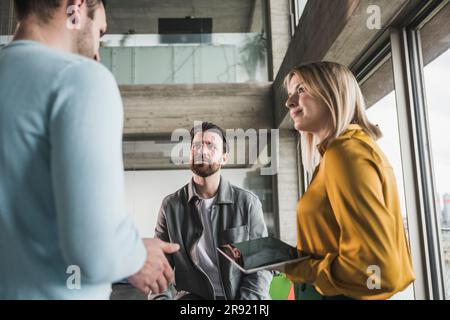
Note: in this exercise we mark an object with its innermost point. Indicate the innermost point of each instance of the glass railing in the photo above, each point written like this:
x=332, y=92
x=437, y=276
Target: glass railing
x=186, y=59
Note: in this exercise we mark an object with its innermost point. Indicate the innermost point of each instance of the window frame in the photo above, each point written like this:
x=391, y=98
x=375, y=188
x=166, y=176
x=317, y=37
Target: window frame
x=402, y=43
x=295, y=14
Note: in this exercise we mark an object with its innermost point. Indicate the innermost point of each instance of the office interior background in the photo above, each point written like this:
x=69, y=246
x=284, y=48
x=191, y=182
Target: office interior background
x=223, y=61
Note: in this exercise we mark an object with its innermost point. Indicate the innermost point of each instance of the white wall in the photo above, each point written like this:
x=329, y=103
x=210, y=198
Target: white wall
x=145, y=191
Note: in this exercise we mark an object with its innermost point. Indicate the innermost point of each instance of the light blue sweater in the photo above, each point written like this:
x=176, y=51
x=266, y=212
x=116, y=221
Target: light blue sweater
x=61, y=177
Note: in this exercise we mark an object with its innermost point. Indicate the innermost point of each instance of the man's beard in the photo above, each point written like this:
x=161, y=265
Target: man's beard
x=85, y=42
x=203, y=169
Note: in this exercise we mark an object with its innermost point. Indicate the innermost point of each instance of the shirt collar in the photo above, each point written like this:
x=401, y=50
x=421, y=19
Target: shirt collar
x=224, y=194
x=350, y=129
x=352, y=126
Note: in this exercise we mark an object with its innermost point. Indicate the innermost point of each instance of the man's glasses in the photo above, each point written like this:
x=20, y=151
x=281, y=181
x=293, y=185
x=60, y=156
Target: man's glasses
x=210, y=146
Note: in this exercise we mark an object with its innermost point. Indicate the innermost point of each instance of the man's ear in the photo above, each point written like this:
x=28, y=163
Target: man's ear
x=77, y=3
x=74, y=7
x=224, y=159
x=73, y=11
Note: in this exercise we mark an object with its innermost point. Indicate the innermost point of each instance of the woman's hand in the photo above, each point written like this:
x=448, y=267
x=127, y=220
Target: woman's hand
x=281, y=268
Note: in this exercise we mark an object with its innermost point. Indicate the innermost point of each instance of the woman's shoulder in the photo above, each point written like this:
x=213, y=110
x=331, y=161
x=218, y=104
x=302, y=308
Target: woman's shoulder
x=353, y=145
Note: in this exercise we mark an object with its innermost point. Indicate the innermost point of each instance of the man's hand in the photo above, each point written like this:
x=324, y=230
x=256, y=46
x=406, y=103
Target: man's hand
x=156, y=273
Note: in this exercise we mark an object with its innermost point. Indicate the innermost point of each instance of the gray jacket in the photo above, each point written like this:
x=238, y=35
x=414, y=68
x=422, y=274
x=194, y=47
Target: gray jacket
x=236, y=216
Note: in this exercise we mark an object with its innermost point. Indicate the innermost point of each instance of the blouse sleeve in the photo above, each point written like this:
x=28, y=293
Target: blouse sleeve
x=354, y=186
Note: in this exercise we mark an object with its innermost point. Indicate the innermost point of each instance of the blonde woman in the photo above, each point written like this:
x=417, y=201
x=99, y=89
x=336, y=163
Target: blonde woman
x=349, y=218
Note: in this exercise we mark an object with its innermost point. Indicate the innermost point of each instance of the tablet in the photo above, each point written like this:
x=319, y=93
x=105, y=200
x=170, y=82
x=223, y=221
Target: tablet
x=260, y=254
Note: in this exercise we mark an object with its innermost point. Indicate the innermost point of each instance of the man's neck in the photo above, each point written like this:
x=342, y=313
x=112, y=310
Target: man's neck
x=207, y=187
x=48, y=34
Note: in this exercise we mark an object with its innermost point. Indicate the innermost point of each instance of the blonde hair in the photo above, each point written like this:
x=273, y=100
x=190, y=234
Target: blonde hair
x=336, y=86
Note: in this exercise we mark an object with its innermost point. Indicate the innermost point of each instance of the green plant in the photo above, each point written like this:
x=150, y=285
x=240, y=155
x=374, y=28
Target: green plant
x=253, y=53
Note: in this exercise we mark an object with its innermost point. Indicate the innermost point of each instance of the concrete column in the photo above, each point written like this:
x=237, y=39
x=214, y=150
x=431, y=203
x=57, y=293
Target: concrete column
x=279, y=34
x=256, y=19
x=286, y=186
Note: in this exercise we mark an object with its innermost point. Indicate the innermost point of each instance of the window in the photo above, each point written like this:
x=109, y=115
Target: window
x=436, y=58
x=384, y=114
x=299, y=8
x=436, y=79
x=382, y=111
x=296, y=8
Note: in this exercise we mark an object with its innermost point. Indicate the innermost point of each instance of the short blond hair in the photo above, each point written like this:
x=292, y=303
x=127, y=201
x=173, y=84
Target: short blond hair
x=336, y=86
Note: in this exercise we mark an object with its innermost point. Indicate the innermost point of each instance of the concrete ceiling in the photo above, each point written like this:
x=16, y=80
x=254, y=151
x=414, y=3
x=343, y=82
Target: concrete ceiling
x=228, y=16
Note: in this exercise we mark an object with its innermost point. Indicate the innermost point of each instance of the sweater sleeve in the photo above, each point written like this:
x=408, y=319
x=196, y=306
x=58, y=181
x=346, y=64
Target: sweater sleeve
x=95, y=231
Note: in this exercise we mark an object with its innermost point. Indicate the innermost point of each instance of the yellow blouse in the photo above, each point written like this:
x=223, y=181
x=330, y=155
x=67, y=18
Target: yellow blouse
x=349, y=220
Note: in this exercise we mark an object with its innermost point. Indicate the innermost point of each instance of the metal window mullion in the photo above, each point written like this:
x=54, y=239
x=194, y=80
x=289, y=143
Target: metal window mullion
x=414, y=206
x=416, y=167
x=296, y=13
x=425, y=155
x=434, y=199
x=292, y=16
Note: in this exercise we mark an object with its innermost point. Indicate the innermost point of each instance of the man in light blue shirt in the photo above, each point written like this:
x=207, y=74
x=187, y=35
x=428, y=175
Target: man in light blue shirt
x=64, y=231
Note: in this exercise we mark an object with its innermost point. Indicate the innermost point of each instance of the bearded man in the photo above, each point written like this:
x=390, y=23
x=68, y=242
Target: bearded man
x=206, y=213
